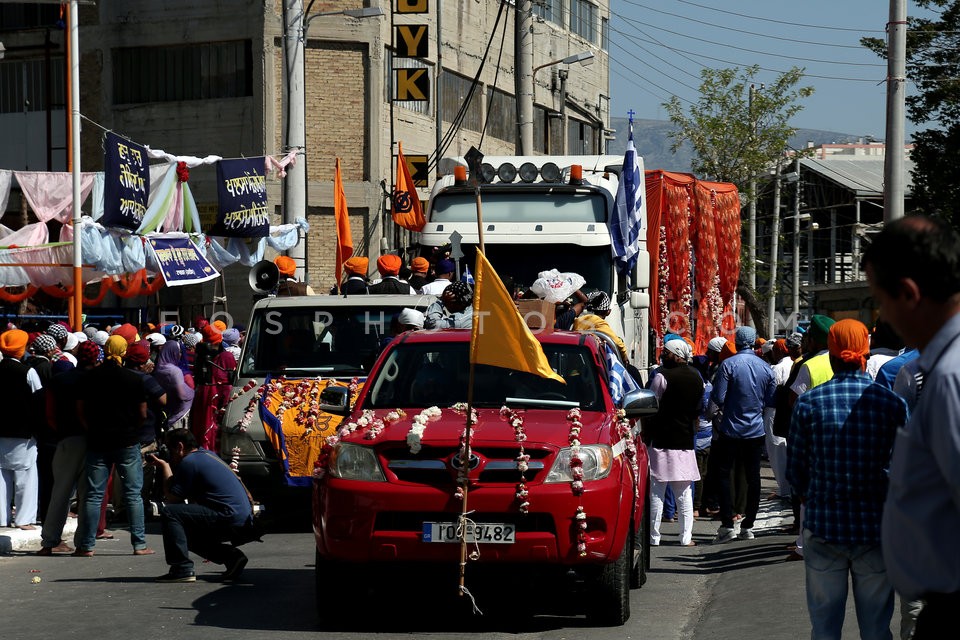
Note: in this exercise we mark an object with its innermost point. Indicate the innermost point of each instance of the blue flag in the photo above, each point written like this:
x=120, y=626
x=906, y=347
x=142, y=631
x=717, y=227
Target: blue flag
x=242, y=199
x=629, y=224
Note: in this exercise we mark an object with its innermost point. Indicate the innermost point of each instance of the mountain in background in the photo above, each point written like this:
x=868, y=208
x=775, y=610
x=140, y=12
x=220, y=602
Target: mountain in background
x=653, y=143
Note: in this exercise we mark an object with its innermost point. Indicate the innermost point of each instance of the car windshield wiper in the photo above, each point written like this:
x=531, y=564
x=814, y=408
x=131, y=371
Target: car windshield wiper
x=539, y=402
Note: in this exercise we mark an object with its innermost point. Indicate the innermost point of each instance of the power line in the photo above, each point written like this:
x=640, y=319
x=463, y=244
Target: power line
x=764, y=53
x=668, y=63
x=786, y=22
x=752, y=33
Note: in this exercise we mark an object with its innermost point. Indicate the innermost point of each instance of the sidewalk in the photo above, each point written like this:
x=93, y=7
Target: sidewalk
x=13, y=539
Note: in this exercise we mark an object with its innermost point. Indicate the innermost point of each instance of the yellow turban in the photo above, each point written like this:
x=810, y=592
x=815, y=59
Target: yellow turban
x=115, y=348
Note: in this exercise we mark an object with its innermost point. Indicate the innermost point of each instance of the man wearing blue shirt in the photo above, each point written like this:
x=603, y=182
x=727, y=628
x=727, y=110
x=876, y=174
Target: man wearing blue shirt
x=913, y=268
x=838, y=451
x=207, y=507
x=744, y=385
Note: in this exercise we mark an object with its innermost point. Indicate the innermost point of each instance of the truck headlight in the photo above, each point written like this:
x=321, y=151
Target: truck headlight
x=355, y=462
x=597, y=461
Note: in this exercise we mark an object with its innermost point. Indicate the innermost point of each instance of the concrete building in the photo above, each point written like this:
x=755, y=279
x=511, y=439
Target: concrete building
x=199, y=78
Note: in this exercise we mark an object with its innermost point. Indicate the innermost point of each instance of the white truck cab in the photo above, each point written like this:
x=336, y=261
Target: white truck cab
x=546, y=212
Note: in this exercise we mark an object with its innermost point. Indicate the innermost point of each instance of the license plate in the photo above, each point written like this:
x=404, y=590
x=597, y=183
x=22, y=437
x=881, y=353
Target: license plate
x=486, y=533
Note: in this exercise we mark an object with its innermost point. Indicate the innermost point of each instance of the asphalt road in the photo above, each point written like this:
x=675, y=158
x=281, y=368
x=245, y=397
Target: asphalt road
x=743, y=589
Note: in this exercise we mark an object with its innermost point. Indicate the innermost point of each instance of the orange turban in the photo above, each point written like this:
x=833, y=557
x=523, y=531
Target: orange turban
x=729, y=349
x=389, y=264
x=220, y=325
x=849, y=340
x=285, y=265
x=13, y=343
x=420, y=265
x=211, y=334
x=357, y=265
x=780, y=350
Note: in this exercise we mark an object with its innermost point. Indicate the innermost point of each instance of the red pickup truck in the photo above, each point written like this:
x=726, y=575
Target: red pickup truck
x=557, y=473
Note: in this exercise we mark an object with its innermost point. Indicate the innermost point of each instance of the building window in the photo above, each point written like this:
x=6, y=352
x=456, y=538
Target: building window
x=25, y=15
x=580, y=138
x=183, y=72
x=583, y=20
x=551, y=10
x=502, y=112
x=23, y=85
x=605, y=34
x=454, y=90
x=420, y=106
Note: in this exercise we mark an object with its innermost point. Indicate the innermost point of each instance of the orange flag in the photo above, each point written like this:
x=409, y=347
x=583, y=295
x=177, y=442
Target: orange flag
x=344, y=237
x=407, y=210
x=500, y=336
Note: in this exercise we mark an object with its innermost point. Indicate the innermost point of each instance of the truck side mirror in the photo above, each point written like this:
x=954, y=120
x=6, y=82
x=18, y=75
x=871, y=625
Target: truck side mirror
x=641, y=403
x=335, y=400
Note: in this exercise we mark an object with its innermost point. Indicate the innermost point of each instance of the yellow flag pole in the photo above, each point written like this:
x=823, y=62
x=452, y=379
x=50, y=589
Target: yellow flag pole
x=465, y=449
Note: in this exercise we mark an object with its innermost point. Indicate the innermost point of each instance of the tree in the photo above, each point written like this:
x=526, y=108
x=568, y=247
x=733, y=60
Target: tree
x=733, y=139
x=933, y=66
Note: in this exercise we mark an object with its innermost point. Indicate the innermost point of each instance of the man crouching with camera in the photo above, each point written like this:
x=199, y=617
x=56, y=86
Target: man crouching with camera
x=207, y=508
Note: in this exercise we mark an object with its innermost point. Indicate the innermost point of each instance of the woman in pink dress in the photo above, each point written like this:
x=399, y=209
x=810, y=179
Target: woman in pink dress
x=213, y=372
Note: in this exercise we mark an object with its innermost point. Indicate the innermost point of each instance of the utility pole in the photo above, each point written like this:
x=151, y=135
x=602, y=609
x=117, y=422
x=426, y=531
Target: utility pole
x=774, y=251
x=796, y=245
x=563, y=74
x=523, y=24
x=752, y=210
x=893, y=163
x=294, y=134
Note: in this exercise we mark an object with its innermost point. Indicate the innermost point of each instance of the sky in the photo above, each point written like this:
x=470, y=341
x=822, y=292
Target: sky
x=658, y=48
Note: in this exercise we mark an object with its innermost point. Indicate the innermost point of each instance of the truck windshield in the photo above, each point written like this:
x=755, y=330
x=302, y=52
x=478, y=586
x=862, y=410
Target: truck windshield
x=560, y=204
x=424, y=375
x=312, y=341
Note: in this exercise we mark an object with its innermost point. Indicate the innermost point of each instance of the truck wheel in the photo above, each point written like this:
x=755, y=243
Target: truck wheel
x=610, y=593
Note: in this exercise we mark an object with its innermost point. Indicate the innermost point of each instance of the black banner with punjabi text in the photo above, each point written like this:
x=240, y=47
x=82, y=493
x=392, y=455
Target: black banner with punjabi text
x=242, y=197
x=126, y=186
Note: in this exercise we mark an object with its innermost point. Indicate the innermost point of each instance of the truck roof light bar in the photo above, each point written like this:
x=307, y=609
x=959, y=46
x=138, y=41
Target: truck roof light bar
x=528, y=172
x=507, y=172
x=487, y=173
x=460, y=175
x=550, y=172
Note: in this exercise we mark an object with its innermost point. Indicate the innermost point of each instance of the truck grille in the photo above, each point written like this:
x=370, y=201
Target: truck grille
x=435, y=466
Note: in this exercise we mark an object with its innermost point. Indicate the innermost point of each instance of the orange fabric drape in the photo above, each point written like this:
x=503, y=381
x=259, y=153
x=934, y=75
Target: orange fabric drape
x=708, y=215
x=13, y=298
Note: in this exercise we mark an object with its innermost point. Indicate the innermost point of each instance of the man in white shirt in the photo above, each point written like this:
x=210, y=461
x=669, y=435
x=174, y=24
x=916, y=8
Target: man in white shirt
x=444, y=271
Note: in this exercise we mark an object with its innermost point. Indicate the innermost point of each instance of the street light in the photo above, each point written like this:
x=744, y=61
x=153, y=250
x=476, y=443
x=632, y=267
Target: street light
x=296, y=23
x=583, y=58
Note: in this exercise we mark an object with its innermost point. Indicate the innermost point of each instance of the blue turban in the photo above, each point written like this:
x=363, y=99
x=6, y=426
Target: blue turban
x=745, y=337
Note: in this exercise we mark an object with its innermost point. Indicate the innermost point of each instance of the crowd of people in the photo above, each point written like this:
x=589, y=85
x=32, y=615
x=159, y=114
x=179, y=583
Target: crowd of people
x=88, y=414
x=862, y=431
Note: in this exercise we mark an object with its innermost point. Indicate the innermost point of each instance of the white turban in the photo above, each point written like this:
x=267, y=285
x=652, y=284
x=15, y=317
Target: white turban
x=716, y=344
x=411, y=317
x=680, y=348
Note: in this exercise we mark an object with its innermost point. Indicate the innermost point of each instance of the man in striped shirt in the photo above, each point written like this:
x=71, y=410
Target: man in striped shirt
x=838, y=451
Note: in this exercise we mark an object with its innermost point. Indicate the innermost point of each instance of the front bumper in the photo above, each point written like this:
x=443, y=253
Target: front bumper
x=358, y=521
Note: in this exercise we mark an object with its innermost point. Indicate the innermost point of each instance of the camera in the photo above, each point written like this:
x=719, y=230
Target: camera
x=163, y=452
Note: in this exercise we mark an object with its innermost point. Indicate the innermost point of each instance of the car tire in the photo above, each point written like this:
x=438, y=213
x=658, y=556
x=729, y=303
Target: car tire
x=640, y=561
x=610, y=593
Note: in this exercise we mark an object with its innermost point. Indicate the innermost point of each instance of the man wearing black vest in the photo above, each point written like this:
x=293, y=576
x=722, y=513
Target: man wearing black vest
x=670, y=437
x=289, y=285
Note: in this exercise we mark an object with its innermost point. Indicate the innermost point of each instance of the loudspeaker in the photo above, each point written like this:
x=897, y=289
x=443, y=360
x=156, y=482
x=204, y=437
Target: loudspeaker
x=264, y=277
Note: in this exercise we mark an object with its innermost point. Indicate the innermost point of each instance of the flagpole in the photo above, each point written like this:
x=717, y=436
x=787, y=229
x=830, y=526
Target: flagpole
x=465, y=449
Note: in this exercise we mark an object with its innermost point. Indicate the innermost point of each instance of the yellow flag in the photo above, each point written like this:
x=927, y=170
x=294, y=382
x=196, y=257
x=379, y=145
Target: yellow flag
x=500, y=336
